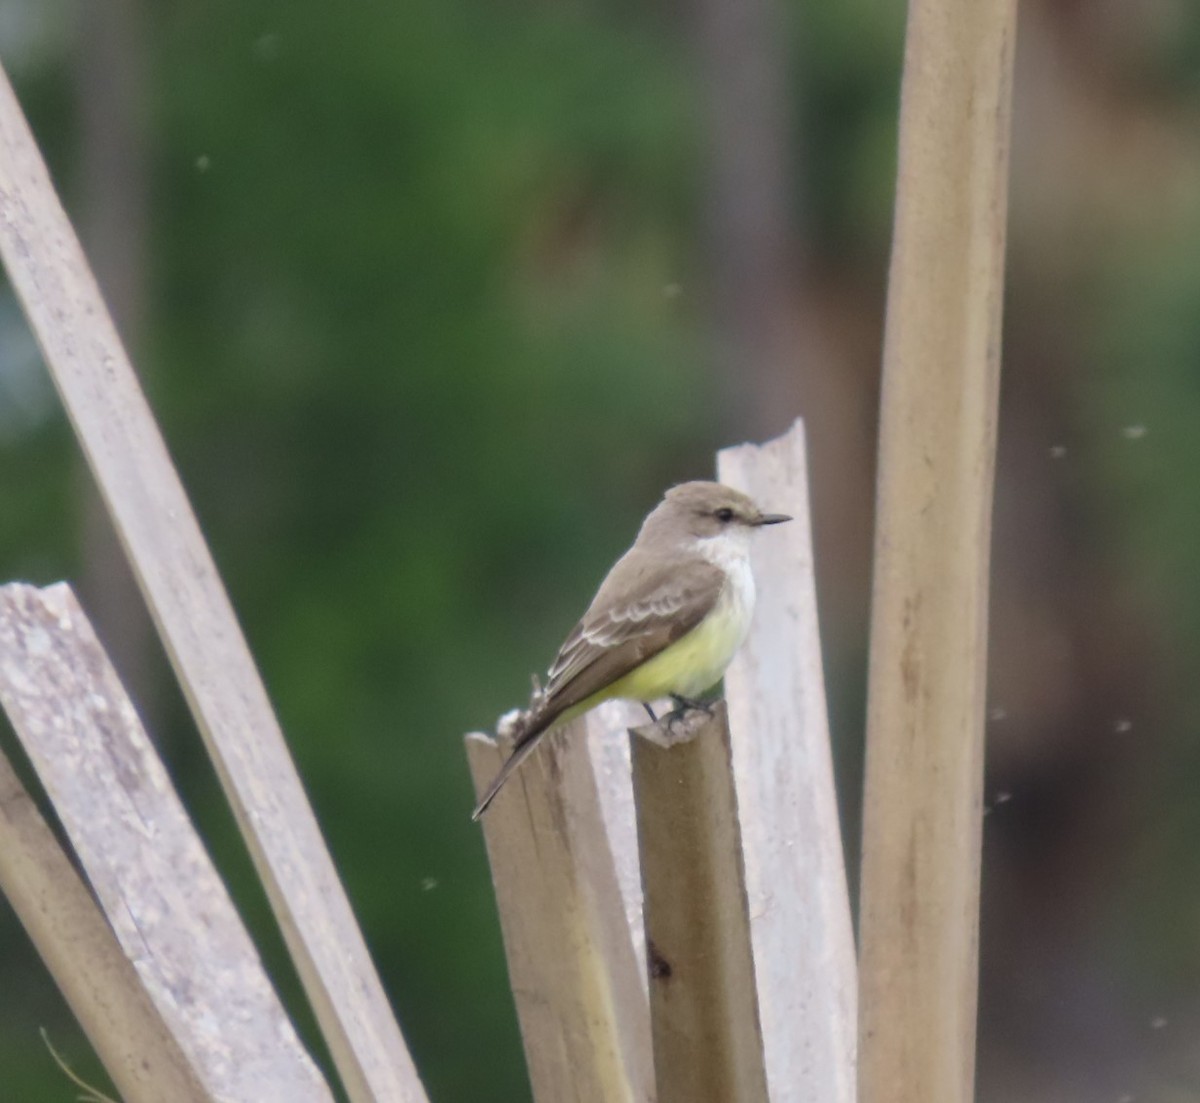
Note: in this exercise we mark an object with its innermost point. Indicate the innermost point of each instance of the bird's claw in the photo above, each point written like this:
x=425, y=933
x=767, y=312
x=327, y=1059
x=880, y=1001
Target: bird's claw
x=684, y=705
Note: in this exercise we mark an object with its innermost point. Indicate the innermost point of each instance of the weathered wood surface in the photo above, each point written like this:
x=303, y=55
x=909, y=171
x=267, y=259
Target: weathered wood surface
x=159, y=890
x=574, y=973
x=926, y=694
x=800, y=923
x=607, y=728
x=79, y=948
x=156, y=525
x=703, y=1008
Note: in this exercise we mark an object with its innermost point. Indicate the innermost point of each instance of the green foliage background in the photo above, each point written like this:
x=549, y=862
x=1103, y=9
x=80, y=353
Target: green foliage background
x=414, y=338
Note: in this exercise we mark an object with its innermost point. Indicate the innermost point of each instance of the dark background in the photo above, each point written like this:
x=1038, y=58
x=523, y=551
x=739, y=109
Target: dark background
x=433, y=298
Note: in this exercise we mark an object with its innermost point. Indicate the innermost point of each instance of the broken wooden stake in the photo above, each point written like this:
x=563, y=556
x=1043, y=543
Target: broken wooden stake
x=571, y=962
x=703, y=1005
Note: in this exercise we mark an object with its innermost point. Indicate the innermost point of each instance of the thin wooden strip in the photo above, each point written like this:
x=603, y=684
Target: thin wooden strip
x=191, y=609
x=146, y=1062
x=926, y=694
x=703, y=1007
x=572, y=967
x=607, y=728
x=800, y=919
x=157, y=886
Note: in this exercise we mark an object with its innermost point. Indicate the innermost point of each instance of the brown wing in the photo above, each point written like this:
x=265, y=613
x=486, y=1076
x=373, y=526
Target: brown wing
x=658, y=604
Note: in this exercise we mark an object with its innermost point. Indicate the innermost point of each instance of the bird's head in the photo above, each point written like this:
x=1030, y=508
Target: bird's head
x=702, y=511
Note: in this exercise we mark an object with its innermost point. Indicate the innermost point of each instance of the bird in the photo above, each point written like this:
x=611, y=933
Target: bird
x=666, y=621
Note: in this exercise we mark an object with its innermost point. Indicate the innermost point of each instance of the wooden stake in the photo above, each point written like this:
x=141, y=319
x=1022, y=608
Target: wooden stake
x=179, y=580
x=159, y=891
x=703, y=1005
x=921, y=832
x=571, y=962
x=795, y=870
x=99, y=983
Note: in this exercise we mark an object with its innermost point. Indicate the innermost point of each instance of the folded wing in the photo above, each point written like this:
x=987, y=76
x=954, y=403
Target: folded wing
x=641, y=609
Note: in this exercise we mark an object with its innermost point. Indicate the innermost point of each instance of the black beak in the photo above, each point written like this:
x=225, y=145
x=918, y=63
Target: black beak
x=772, y=518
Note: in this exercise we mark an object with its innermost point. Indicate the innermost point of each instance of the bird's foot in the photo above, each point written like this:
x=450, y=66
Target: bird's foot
x=680, y=715
x=682, y=723
x=653, y=718
x=684, y=705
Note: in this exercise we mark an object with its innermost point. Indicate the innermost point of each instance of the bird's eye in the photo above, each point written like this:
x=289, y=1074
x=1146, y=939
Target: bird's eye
x=724, y=515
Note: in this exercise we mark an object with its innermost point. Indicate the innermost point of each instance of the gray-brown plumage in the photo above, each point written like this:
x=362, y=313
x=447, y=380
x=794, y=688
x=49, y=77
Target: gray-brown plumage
x=691, y=558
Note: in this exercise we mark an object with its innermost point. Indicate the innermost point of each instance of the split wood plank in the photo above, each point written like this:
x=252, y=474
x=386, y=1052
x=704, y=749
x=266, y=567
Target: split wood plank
x=157, y=886
x=179, y=580
x=800, y=921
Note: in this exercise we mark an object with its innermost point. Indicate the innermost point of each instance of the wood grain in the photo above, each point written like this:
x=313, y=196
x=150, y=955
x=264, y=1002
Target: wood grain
x=703, y=1006
x=800, y=920
x=607, y=728
x=926, y=694
x=574, y=973
x=79, y=948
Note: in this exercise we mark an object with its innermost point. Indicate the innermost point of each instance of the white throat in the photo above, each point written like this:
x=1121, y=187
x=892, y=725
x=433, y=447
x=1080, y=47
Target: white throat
x=730, y=551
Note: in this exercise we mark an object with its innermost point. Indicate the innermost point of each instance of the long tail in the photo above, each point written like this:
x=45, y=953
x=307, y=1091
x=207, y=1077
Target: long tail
x=543, y=715
x=520, y=752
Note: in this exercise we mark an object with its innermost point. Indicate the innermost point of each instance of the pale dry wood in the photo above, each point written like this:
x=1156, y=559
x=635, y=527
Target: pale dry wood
x=703, y=1007
x=572, y=967
x=79, y=948
x=196, y=621
x=607, y=728
x=922, y=818
x=800, y=922
x=148, y=868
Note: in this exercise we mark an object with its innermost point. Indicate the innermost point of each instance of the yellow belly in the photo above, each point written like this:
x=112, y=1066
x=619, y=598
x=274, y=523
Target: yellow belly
x=695, y=662
x=692, y=664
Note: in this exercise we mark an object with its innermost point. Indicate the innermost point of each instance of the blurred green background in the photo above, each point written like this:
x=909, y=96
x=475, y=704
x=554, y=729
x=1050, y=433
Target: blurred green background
x=432, y=299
